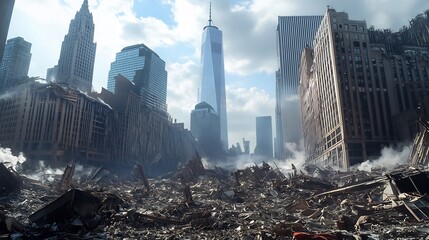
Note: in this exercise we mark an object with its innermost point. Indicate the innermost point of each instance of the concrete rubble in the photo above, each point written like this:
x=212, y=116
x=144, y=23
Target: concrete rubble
x=258, y=202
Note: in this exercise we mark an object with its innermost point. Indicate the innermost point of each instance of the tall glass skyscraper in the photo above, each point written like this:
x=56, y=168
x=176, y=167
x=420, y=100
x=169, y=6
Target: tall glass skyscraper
x=212, y=88
x=294, y=33
x=76, y=63
x=15, y=63
x=6, y=8
x=146, y=70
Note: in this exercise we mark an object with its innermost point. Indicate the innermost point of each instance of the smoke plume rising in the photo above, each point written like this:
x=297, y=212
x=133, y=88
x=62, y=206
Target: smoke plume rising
x=9, y=160
x=390, y=158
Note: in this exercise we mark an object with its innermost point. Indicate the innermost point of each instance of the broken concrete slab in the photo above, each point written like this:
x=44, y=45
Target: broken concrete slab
x=68, y=207
x=9, y=182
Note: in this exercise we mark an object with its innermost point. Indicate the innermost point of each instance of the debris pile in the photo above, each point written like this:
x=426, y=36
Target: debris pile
x=258, y=202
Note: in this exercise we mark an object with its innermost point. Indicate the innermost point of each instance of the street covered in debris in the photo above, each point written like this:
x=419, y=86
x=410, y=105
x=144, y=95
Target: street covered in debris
x=196, y=202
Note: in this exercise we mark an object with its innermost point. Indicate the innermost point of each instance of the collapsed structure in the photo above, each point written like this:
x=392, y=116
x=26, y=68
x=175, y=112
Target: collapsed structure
x=59, y=125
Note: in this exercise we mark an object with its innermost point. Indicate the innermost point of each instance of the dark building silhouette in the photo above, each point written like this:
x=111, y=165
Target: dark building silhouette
x=76, y=62
x=246, y=146
x=264, y=138
x=146, y=70
x=15, y=63
x=6, y=9
x=205, y=127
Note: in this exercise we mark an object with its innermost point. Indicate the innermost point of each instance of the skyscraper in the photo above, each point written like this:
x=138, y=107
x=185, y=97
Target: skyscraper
x=212, y=88
x=294, y=33
x=205, y=127
x=76, y=63
x=15, y=63
x=350, y=89
x=264, y=137
x=6, y=8
x=146, y=70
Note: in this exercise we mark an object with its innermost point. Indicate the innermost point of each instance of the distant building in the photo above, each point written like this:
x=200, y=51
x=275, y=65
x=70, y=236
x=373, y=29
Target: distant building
x=15, y=63
x=212, y=88
x=146, y=70
x=294, y=33
x=76, y=62
x=51, y=73
x=246, y=146
x=264, y=138
x=6, y=9
x=205, y=127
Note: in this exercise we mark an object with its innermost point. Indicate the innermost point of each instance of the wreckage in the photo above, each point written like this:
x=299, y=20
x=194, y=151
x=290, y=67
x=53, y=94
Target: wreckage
x=258, y=202
x=196, y=202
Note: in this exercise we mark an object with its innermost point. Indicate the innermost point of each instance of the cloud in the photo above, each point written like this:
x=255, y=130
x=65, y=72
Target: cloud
x=243, y=106
x=182, y=89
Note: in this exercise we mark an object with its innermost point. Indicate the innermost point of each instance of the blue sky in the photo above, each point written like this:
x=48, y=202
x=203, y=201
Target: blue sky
x=173, y=29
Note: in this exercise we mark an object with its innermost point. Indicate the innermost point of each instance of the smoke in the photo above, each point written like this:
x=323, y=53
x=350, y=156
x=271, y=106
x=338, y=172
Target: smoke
x=297, y=158
x=40, y=172
x=13, y=91
x=9, y=160
x=390, y=158
x=34, y=170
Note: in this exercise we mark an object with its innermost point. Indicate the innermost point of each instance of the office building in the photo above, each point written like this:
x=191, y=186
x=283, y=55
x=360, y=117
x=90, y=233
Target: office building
x=146, y=70
x=51, y=74
x=205, y=127
x=294, y=33
x=15, y=63
x=76, y=62
x=6, y=9
x=212, y=87
x=264, y=138
x=346, y=94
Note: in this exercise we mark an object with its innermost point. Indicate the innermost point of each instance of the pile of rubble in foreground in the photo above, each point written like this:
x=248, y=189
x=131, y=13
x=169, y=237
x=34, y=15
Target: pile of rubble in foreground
x=258, y=202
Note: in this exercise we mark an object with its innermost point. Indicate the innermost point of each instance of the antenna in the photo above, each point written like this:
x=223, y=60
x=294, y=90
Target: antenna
x=210, y=14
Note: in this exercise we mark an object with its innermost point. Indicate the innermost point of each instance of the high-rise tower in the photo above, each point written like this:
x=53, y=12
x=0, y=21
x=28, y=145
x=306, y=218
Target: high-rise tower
x=294, y=33
x=212, y=88
x=6, y=8
x=76, y=63
x=15, y=63
x=350, y=92
x=146, y=70
x=264, y=138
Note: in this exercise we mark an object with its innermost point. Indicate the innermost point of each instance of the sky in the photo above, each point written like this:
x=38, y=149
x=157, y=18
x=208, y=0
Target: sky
x=173, y=29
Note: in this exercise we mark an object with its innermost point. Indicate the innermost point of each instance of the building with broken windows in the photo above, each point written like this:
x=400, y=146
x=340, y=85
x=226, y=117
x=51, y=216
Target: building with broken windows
x=57, y=124
x=359, y=94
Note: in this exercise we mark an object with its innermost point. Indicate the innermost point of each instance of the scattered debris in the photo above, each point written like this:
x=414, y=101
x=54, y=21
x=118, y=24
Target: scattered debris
x=257, y=202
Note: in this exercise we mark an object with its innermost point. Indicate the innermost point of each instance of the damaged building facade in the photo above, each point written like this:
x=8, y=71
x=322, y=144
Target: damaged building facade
x=356, y=96
x=57, y=124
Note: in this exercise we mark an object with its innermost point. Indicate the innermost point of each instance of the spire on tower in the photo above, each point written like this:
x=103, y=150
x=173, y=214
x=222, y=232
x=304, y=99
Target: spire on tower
x=84, y=5
x=210, y=14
